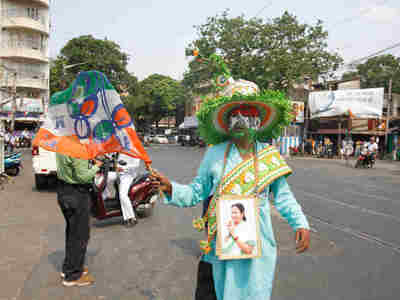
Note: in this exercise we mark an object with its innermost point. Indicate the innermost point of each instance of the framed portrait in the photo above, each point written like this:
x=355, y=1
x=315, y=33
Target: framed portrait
x=238, y=235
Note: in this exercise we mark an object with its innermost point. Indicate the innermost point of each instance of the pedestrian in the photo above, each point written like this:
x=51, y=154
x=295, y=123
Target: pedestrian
x=13, y=142
x=313, y=144
x=358, y=148
x=75, y=176
x=236, y=122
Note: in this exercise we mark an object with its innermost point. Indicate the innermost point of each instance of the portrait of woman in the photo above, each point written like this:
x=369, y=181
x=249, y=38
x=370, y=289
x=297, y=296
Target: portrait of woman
x=240, y=239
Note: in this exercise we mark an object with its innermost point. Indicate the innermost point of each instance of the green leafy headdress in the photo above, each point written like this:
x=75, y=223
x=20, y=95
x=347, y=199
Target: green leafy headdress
x=274, y=108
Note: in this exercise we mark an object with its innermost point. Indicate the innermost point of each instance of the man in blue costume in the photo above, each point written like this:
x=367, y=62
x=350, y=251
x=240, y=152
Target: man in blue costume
x=236, y=122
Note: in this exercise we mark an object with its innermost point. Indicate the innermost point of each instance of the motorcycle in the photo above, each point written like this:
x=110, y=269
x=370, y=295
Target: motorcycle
x=141, y=194
x=24, y=142
x=12, y=163
x=365, y=160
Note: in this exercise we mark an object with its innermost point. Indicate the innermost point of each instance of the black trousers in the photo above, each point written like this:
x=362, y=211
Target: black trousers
x=205, y=283
x=74, y=201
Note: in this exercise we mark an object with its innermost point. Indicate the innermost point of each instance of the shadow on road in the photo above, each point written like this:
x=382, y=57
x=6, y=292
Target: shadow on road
x=106, y=223
x=57, y=257
x=189, y=246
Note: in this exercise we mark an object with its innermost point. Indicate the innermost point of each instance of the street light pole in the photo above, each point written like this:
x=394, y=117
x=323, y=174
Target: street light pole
x=307, y=87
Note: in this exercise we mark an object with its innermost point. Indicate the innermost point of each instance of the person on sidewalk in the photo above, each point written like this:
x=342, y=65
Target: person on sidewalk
x=75, y=176
x=236, y=123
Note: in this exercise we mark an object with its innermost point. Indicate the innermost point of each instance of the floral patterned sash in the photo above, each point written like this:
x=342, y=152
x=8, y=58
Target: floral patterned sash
x=250, y=176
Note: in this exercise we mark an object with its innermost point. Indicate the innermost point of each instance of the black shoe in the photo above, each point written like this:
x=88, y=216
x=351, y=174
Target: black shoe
x=130, y=222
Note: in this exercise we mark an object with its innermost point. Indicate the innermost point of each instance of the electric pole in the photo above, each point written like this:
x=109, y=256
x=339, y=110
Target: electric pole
x=388, y=113
x=12, y=92
x=14, y=101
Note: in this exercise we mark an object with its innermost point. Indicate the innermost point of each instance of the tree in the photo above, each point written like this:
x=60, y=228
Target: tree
x=89, y=53
x=377, y=72
x=274, y=54
x=159, y=96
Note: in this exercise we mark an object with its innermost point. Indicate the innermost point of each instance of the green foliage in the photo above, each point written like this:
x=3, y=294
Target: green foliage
x=93, y=54
x=159, y=96
x=274, y=53
x=377, y=72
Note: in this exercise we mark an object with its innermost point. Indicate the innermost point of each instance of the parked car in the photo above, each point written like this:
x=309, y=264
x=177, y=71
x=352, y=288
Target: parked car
x=160, y=139
x=44, y=166
x=172, y=139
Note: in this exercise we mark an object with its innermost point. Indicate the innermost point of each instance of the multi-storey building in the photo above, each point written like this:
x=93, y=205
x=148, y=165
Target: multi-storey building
x=24, y=58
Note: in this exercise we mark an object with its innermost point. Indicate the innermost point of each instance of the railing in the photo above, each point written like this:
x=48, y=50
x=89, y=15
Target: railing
x=25, y=52
x=25, y=13
x=24, y=80
x=37, y=83
x=43, y=2
x=28, y=44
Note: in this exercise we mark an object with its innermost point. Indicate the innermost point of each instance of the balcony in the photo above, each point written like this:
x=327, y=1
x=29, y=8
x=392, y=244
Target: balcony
x=34, y=83
x=26, y=23
x=43, y=2
x=24, y=53
x=26, y=19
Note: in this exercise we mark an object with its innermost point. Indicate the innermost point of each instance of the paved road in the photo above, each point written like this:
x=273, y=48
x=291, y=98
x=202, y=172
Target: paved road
x=355, y=250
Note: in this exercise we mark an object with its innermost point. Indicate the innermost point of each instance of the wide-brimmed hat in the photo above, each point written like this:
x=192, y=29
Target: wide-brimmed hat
x=271, y=107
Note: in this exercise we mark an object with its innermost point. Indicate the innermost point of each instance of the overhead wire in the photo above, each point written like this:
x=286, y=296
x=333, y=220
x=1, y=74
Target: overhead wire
x=262, y=9
x=358, y=60
x=355, y=17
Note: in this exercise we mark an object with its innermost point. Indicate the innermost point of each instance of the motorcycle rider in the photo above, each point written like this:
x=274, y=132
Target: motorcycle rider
x=25, y=137
x=372, y=149
x=126, y=173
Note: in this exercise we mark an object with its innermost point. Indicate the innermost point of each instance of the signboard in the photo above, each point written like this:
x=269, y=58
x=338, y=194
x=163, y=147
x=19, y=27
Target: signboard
x=298, y=111
x=364, y=103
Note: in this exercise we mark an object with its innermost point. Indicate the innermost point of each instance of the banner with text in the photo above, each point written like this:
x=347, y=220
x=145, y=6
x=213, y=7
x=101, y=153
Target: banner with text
x=364, y=103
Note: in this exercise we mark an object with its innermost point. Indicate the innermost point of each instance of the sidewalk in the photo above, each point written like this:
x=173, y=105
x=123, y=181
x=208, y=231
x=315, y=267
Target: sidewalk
x=380, y=164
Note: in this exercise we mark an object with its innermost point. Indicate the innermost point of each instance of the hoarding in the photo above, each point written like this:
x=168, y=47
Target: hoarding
x=364, y=103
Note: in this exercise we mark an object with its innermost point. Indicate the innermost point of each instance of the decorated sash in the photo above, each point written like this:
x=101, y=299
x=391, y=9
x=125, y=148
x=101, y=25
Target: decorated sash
x=241, y=180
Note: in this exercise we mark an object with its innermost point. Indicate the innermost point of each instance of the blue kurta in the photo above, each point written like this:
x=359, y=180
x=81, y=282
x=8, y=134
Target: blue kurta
x=242, y=279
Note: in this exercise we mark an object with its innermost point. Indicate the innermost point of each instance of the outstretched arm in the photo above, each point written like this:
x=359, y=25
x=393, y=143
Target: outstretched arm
x=186, y=195
x=289, y=208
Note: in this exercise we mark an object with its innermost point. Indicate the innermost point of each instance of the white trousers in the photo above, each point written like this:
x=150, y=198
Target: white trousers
x=125, y=183
x=126, y=205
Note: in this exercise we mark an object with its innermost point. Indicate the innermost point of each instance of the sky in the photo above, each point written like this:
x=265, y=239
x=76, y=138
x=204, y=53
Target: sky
x=155, y=32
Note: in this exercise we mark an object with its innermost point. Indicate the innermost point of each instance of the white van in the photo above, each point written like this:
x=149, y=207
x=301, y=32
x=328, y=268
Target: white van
x=44, y=166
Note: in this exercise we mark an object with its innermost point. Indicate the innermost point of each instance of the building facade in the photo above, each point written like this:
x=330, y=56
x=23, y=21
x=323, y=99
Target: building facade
x=24, y=59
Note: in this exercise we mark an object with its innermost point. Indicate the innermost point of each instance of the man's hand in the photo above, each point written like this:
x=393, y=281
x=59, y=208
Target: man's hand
x=161, y=182
x=302, y=240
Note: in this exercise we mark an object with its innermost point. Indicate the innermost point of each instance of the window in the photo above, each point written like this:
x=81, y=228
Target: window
x=33, y=12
